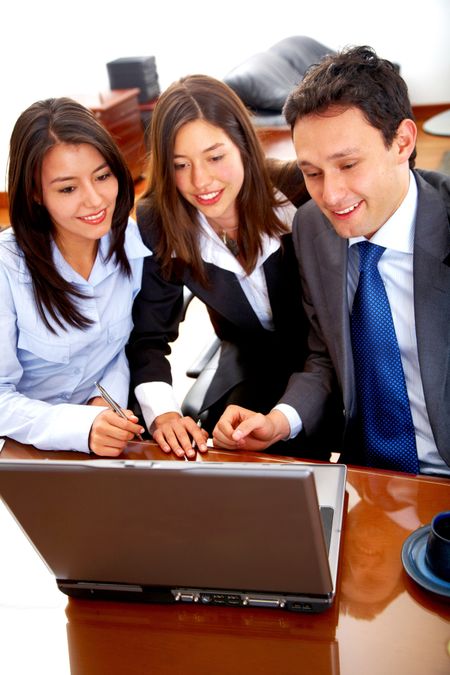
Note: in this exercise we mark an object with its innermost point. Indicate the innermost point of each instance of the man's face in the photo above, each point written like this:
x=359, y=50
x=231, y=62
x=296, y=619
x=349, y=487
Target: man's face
x=356, y=181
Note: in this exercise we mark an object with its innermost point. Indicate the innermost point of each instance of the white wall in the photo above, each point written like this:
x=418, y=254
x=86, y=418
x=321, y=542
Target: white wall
x=49, y=48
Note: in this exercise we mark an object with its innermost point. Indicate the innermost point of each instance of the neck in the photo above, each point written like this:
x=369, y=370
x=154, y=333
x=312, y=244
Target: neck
x=226, y=224
x=81, y=258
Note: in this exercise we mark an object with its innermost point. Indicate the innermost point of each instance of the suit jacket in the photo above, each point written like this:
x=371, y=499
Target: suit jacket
x=247, y=348
x=322, y=257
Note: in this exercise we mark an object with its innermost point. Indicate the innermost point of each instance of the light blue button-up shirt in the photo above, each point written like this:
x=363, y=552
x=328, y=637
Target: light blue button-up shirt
x=46, y=378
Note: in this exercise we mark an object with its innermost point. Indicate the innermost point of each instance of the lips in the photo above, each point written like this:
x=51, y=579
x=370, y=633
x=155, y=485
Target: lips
x=209, y=198
x=345, y=213
x=95, y=218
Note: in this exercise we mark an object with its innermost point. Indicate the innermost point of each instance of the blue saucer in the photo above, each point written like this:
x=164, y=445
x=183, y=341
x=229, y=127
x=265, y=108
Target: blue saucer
x=413, y=559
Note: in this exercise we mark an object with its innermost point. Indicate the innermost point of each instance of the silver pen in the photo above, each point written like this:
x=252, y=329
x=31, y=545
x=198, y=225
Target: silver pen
x=199, y=424
x=112, y=404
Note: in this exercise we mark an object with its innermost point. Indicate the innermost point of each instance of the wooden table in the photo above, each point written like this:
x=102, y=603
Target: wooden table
x=381, y=623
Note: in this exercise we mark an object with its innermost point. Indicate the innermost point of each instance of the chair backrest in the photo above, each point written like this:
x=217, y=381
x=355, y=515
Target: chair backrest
x=264, y=81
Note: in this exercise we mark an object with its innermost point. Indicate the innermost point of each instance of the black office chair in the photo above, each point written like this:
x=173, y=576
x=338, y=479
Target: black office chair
x=202, y=369
x=265, y=79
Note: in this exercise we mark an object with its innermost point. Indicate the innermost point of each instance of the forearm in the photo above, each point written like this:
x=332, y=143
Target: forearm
x=62, y=426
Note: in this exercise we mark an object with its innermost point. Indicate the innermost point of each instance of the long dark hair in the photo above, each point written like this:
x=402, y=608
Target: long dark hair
x=203, y=97
x=40, y=127
x=356, y=77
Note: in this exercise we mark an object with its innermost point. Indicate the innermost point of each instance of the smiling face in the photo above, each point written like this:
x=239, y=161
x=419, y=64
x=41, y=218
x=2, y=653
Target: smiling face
x=356, y=181
x=79, y=192
x=209, y=172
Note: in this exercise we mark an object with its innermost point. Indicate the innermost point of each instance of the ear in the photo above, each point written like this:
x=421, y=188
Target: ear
x=405, y=139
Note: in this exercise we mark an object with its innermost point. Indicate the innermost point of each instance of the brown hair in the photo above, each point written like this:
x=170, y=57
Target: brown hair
x=355, y=77
x=41, y=126
x=202, y=97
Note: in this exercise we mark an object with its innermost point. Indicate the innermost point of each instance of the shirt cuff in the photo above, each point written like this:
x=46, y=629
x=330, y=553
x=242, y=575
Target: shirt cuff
x=67, y=427
x=156, y=398
x=293, y=418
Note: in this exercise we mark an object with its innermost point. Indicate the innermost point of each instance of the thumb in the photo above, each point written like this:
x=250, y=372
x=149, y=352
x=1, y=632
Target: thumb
x=248, y=426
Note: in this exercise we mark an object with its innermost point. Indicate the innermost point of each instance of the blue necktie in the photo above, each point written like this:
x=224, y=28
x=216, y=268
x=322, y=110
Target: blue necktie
x=385, y=415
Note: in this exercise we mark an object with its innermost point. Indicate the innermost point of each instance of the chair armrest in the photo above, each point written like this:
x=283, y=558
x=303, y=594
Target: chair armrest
x=203, y=358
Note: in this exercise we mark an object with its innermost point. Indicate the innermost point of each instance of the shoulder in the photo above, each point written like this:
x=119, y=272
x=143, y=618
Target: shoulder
x=10, y=254
x=436, y=183
x=134, y=246
x=308, y=218
x=440, y=181
x=148, y=220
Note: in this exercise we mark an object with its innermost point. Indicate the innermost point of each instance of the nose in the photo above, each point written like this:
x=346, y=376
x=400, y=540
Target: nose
x=91, y=195
x=200, y=176
x=333, y=189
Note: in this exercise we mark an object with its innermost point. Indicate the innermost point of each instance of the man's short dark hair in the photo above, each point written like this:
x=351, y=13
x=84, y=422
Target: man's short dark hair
x=354, y=78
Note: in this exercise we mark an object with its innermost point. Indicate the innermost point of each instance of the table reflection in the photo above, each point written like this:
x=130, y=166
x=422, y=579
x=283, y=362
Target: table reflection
x=105, y=637
x=372, y=572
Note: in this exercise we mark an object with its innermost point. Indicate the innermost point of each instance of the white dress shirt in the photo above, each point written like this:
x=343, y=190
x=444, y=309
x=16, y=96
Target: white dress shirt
x=46, y=378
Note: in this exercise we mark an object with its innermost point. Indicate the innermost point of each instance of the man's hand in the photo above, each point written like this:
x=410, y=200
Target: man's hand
x=242, y=429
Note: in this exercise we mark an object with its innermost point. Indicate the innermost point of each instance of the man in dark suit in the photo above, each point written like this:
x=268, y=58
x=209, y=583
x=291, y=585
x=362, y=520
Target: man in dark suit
x=354, y=137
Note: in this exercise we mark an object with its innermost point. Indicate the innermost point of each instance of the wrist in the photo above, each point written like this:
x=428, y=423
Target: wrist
x=164, y=419
x=280, y=425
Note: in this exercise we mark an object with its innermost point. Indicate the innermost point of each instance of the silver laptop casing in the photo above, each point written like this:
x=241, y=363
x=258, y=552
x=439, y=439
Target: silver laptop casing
x=244, y=534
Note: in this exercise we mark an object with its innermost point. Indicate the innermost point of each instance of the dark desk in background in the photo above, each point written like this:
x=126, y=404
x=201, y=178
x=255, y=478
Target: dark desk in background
x=119, y=112
x=382, y=623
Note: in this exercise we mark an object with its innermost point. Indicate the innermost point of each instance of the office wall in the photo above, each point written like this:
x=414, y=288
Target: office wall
x=53, y=49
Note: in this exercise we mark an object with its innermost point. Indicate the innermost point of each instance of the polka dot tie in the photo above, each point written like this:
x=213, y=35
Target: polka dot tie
x=387, y=426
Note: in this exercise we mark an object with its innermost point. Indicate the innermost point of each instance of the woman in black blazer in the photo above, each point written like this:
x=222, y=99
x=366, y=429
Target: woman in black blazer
x=216, y=224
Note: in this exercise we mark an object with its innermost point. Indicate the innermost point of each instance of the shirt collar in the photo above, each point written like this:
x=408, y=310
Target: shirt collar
x=214, y=251
x=133, y=246
x=398, y=231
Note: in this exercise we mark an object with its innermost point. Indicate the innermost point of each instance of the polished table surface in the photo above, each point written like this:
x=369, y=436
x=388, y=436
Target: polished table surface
x=381, y=623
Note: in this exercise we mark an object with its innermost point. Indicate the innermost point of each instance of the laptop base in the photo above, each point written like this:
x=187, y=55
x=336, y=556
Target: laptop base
x=217, y=597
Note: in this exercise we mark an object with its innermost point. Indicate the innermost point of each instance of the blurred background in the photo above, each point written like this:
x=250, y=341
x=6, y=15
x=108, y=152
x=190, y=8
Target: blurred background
x=55, y=49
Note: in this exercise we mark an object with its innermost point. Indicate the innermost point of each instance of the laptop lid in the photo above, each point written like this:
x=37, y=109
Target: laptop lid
x=246, y=534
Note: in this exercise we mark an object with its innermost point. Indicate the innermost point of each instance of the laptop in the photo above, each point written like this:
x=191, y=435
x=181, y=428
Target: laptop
x=236, y=534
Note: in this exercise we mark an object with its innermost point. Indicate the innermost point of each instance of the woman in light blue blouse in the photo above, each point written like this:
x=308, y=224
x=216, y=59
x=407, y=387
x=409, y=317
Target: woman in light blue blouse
x=70, y=267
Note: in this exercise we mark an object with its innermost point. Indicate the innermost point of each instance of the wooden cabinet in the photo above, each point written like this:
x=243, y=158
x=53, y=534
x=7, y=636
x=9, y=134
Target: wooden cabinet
x=118, y=111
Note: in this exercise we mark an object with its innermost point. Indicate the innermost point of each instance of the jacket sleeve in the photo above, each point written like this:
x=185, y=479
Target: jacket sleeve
x=311, y=392
x=157, y=312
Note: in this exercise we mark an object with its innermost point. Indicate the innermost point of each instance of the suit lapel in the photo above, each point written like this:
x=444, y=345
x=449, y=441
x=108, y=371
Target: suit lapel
x=331, y=260
x=225, y=296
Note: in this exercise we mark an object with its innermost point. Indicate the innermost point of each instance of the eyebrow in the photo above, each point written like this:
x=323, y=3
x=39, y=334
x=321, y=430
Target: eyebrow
x=62, y=179
x=342, y=154
x=211, y=147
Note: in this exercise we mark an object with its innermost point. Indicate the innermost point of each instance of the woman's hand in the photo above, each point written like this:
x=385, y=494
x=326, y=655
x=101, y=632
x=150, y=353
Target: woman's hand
x=243, y=429
x=110, y=433
x=179, y=435
x=97, y=400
